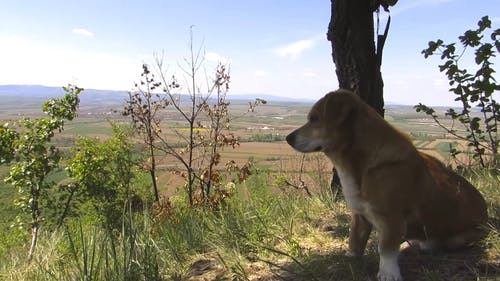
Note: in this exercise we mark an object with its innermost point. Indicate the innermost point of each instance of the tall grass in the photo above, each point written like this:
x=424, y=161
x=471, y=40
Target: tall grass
x=488, y=182
x=255, y=221
x=260, y=231
x=88, y=251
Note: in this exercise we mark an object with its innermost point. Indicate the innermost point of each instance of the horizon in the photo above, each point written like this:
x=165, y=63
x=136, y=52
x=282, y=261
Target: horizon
x=231, y=95
x=284, y=53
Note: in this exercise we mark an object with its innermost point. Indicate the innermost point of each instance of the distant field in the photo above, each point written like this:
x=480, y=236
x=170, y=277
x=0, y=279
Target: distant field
x=270, y=122
x=261, y=133
x=87, y=127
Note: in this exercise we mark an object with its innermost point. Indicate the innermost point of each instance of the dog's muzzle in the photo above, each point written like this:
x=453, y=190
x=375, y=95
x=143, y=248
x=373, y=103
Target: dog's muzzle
x=290, y=139
x=301, y=144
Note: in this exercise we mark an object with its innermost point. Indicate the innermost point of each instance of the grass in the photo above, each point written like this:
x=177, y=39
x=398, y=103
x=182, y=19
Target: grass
x=258, y=234
x=85, y=129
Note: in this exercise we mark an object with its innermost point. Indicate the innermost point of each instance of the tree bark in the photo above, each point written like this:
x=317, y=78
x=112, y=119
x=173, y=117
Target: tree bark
x=357, y=62
x=152, y=169
x=35, y=218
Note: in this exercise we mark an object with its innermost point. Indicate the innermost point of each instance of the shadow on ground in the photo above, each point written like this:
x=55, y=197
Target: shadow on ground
x=465, y=265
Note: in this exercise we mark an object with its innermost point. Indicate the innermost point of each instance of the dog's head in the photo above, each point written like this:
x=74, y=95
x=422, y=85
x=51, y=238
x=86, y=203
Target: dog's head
x=326, y=122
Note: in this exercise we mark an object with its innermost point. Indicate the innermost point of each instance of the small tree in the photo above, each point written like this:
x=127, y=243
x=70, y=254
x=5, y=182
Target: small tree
x=472, y=89
x=208, y=129
x=143, y=107
x=205, y=123
x=27, y=142
x=103, y=172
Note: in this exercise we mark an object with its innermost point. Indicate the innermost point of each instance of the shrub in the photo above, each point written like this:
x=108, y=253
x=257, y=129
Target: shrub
x=472, y=89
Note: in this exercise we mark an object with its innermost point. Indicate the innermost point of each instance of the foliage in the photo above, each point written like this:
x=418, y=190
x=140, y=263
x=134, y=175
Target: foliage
x=27, y=143
x=7, y=143
x=103, y=173
x=258, y=233
x=472, y=89
x=266, y=137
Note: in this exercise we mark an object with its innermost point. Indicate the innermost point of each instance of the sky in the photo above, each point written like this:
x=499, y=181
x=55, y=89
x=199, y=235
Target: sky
x=274, y=47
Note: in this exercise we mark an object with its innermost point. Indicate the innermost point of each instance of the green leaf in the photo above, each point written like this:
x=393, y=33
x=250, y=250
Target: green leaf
x=471, y=38
x=484, y=23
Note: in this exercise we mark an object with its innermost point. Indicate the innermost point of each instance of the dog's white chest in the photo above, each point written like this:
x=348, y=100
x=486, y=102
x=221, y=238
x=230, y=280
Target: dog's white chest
x=351, y=191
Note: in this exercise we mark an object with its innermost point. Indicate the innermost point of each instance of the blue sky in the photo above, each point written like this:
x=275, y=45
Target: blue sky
x=275, y=47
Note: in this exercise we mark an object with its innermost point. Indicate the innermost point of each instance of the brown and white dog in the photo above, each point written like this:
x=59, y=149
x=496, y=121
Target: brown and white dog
x=404, y=194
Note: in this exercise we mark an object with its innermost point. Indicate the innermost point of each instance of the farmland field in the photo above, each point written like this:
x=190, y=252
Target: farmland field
x=261, y=133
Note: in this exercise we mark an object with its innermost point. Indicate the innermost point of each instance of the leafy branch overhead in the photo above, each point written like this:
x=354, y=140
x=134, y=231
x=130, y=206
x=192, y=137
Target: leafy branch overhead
x=472, y=90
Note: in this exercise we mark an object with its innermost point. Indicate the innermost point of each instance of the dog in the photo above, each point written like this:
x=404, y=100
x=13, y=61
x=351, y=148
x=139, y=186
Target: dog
x=406, y=195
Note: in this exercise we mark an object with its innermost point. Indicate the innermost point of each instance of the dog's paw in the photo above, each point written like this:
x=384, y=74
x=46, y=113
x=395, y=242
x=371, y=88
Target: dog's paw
x=389, y=268
x=389, y=276
x=353, y=254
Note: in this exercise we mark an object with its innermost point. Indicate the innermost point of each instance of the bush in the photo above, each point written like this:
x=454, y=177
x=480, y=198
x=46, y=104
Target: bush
x=472, y=89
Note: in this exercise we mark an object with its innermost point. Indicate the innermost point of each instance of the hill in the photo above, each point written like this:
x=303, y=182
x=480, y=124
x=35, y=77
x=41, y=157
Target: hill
x=99, y=95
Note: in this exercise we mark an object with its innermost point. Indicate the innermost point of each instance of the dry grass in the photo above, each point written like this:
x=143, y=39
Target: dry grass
x=321, y=245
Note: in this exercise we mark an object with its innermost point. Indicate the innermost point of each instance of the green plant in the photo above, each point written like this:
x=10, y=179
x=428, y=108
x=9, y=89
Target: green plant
x=104, y=173
x=258, y=233
x=266, y=137
x=474, y=89
x=27, y=143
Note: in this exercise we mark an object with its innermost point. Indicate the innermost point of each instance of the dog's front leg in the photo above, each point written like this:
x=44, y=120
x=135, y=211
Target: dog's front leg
x=391, y=233
x=358, y=235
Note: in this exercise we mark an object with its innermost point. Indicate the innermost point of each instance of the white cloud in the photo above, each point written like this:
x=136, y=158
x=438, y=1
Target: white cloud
x=310, y=74
x=294, y=49
x=261, y=73
x=82, y=31
x=31, y=62
x=215, y=57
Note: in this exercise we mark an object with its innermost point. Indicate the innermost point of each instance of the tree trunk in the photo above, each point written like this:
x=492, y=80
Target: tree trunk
x=357, y=60
x=35, y=218
x=73, y=189
x=152, y=168
x=34, y=238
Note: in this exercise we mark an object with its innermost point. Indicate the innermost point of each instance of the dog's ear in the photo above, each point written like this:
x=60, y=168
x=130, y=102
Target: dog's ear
x=339, y=107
